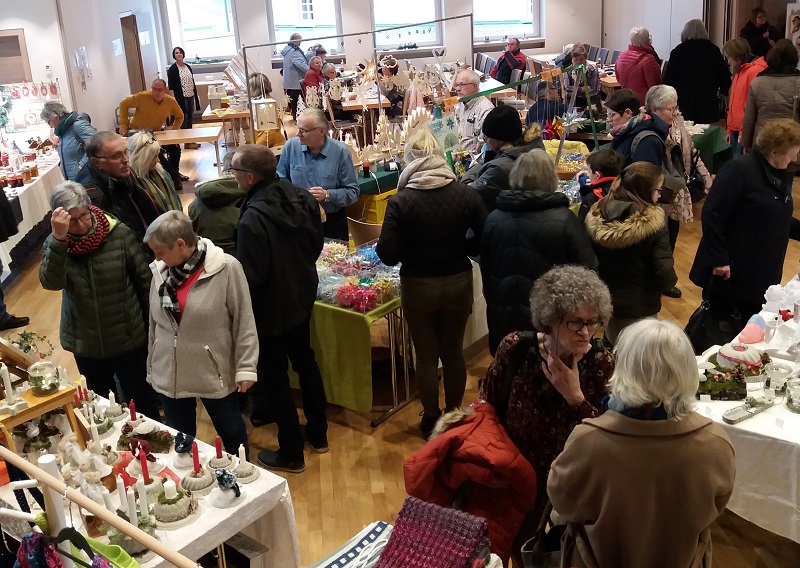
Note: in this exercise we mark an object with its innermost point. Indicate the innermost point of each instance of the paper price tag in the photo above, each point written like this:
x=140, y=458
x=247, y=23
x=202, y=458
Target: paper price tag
x=779, y=423
x=705, y=398
x=708, y=410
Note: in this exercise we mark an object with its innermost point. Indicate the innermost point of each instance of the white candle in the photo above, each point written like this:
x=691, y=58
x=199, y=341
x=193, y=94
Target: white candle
x=111, y=399
x=62, y=376
x=107, y=500
x=132, y=518
x=121, y=493
x=170, y=492
x=143, y=506
x=10, y=398
x=242, y=454
x=95, y=433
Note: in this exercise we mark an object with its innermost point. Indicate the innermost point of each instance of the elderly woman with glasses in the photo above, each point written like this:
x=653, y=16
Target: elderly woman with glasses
x=543, y=383
x=651, y=450
x=143, y=154
x=74, y=129
x=102, y=273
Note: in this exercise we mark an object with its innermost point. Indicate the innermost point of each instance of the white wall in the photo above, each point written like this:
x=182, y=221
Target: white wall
x=39, y=19
x=664, y=18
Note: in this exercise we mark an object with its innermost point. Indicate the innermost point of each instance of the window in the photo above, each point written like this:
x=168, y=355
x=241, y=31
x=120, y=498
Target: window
x=203, y=28
x=309, y=18
x=390, y=14
x=493, y=24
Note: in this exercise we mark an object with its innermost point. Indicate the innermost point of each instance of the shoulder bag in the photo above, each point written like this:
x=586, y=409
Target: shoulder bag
x=705, y=328
x=556, y=547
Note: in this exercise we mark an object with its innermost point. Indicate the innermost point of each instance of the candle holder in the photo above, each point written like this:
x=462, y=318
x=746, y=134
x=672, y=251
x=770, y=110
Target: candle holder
x=12, y=403
x=43, y=378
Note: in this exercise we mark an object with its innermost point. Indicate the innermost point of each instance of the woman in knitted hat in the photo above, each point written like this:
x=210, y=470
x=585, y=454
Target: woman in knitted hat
x=502, y=132
x=425, y=229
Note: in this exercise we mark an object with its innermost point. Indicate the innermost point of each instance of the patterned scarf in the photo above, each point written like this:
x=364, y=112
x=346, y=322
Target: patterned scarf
x=88, y=243
x=168, y=291
x=631, y=124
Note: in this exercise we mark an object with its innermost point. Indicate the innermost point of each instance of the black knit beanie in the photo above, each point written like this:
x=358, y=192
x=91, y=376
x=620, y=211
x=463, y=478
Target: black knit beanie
x=503, y=123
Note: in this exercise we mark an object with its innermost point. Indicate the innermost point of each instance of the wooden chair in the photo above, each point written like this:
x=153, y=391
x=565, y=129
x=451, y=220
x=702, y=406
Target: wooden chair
x=592, y=52
x=341, y=126
x=403, y=112
x=602, y=55
x=362, y=232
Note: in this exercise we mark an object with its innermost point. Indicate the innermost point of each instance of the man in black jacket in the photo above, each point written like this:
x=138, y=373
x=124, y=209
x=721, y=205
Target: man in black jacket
x=278, y=241
x=8, y=228
x=511, y=59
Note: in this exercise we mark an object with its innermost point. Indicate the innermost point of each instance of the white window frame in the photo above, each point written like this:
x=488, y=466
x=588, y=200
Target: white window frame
x=174, y=35
x=271, y=25
x=537, y=27
x=436, y=40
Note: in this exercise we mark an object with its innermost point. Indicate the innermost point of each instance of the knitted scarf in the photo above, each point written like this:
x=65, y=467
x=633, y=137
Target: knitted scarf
x=427, y=172
x=161, y=190
x=610, y=402
x=631, y=124
x=168, y=291
x=88, y=243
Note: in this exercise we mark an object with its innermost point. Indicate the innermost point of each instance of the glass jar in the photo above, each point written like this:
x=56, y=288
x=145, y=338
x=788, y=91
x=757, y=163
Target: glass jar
x=43, y=378
x=778, y=374
x=793, y=395
x=26, y=175
x=34, y=170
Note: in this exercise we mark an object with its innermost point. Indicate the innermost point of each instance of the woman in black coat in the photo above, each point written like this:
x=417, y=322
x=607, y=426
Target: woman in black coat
x=747, y=224
x=180, y=80
x=759, y=33
x=698, y=72
x=531, y=231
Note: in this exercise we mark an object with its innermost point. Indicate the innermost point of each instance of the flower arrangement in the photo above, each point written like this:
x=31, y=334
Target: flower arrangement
x=31, y=342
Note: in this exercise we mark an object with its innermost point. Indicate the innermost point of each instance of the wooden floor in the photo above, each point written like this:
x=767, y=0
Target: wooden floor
x=360, y=480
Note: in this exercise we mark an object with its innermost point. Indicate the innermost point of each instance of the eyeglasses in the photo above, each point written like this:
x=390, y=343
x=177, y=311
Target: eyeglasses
x=119, y=157
x=574, y=325
x=463, y=85
x=84, y=219
x=232, y=169
x=307, y=130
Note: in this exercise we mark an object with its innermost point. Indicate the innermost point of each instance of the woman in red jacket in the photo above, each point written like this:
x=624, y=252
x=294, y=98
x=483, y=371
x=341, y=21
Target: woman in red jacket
x=745, y=67
x=637, y=68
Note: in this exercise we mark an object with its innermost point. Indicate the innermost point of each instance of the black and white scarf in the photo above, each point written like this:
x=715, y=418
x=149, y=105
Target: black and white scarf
x=168, y=291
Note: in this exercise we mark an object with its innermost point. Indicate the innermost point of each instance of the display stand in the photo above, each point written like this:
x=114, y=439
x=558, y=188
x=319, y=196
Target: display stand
x=38, y=405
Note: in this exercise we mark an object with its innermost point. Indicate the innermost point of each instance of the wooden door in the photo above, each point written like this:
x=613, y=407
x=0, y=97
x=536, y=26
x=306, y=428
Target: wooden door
x=14, y=64
x=133, y=53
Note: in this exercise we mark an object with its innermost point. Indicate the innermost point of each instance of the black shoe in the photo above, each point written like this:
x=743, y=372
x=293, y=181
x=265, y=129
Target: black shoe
x=261, y=419
x=14, y=321
x=183, y=177
x=673, y=292
x=276, y=462
x=428, y=422
x=317, y=446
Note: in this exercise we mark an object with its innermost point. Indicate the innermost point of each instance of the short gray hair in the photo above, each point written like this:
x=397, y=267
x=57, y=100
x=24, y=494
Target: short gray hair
x=328, y=67
x=534, y=170
x=295, y=36
x=169, y=227
x=94, y=147
x=318, y=116
x=694, y=29
x=470, y=76
x=639, y=36
x=658, y=96
x=69, y=195
x=563, y=291
x=258, y=160
x=142, y=148
x=655, y=366
x=51, y=110
x=310, y=61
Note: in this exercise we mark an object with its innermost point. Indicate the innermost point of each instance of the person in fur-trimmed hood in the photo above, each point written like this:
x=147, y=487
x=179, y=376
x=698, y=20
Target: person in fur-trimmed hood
x=630, y=238
x=471, y=463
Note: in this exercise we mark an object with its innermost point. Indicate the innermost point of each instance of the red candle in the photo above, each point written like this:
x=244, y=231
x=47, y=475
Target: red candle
x=218, y=444
x=195, y=457
x=132, y=408
x=145, y=471
x=77, y=400
x=86, y=394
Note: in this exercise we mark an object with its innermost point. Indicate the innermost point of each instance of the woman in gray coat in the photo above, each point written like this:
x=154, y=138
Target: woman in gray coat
x=102, y=273
x=73, y=130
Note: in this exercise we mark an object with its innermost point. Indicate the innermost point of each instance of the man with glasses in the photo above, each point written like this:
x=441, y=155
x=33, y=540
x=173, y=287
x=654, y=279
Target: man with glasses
x=278, y=241
x=512, y=59
x=114, y=188
x=152, y=109
x=471, y=113
x=324, y=166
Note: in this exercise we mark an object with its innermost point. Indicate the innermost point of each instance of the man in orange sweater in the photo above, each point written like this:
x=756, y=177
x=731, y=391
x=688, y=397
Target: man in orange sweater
x=745, y=67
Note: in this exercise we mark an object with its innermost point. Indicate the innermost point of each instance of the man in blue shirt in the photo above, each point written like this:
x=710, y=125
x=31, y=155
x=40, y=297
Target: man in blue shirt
x=323, y=166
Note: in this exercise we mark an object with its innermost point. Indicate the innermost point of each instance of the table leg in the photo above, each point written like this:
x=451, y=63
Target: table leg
x=393, y=319
x=9, y=440
x=219, y=162
x=73, y=422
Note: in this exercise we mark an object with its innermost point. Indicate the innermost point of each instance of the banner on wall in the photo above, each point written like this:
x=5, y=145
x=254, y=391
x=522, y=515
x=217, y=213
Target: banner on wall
x=793, y=23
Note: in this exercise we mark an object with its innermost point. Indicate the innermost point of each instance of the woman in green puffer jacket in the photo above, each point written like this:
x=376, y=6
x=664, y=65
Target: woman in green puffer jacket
x=105, y=281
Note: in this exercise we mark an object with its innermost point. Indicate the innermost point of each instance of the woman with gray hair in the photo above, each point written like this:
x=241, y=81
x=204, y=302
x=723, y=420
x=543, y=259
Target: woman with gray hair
x=425, y=229
x=73, y=130
x=699, y=74
x=648, y=447
x=531, y=231
x=143, y=152
x=102, y=273
x=637, y=68
x=543, y=383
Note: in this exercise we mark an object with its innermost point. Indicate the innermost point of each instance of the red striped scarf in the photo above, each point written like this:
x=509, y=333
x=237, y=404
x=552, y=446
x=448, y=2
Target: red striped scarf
x=89, y=243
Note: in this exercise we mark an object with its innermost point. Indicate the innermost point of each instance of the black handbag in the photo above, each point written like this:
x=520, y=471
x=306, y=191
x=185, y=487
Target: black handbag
x=544, y=549
x=706, y=328
x=696, y=182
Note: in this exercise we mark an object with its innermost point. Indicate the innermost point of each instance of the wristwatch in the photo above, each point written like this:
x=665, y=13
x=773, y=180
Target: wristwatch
x=327, y=196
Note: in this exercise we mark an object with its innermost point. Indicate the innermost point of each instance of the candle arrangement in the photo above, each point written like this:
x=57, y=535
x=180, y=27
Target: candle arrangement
x=174, y=507
x=227, y=493
x=12, y=403
x=199, y=481
x=245, y=472
x=221, y=460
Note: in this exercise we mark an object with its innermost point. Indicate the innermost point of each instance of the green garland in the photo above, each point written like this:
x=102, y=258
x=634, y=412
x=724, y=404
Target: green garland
x=5, y=108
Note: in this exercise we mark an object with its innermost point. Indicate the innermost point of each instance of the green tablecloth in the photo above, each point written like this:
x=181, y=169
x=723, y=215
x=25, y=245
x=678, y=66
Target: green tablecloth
x=387, y=180
x=713, y=149
x=341, y=342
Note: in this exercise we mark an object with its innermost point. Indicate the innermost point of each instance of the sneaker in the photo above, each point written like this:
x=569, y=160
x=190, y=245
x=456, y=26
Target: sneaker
x=275, y=462
x=318, y=447
x=428, y=422
x=673, y=292
x=14, y=321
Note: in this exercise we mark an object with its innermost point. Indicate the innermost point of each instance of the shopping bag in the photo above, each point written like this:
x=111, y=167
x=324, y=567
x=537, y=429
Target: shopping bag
x=544, y=549
x=705, y=328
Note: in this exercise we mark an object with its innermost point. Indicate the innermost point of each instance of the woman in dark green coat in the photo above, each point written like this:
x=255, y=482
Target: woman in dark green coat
x=105, y=281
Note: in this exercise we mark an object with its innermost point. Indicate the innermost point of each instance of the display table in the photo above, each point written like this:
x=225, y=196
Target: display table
x=266, y=515
x=233, y=119
x=381, y=182
x=713, y=149
x=34, y=202
x=491, y=83
x=193, y=136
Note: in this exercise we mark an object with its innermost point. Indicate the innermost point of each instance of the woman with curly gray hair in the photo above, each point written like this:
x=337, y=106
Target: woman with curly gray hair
x=543, y=383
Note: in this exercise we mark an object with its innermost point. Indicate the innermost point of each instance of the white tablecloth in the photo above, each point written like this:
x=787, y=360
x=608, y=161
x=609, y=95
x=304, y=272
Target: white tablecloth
x=266, y=515
x=34, y=200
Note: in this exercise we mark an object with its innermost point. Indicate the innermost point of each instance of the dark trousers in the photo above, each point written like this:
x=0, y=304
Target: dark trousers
x=180, y=413
x=272, y=391
x=437, y=310
x=335, y=225
x=294, y=94
x=4, y=315
x=131, y=374
x=173, y=152
x=187, y=106
x=674, y=227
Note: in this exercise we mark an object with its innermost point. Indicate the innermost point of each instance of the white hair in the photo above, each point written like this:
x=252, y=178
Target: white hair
x=658, y=96
x=469, y=76
x=656, y=366
x=169, y=227
x=317, y=115
x=640, y=36
x=694, y=29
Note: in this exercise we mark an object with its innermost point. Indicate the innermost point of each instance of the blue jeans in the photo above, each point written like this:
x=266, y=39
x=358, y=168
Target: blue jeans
x=735, y=146
x=180, y=413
